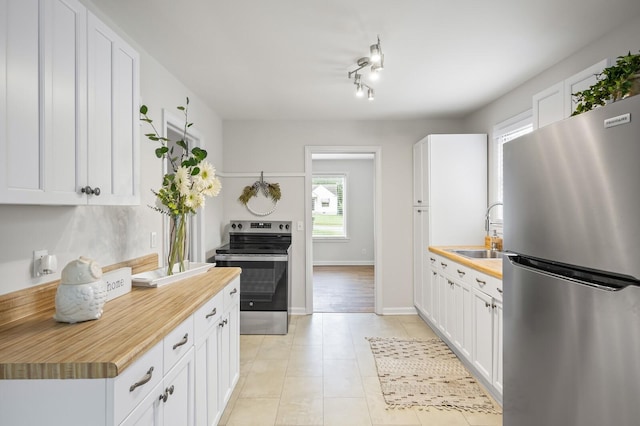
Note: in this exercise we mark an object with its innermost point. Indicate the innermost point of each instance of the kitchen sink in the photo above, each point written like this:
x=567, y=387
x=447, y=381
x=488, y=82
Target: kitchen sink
x=479, y=254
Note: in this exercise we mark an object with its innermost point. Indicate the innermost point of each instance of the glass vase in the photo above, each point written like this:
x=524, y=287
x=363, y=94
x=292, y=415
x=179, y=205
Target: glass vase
x=177, y=261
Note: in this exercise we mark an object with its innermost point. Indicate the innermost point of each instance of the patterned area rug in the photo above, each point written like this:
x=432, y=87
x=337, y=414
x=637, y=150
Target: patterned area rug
x=425, y=373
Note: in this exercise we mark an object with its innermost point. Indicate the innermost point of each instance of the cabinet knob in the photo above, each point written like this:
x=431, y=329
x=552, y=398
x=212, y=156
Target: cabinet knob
x=90, y=191
x=487, y=304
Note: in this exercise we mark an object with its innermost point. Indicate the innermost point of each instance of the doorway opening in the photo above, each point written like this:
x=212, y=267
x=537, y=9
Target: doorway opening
x=343, y=225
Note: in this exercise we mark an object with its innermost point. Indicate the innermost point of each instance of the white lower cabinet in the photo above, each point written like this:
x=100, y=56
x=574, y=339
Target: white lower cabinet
x=170, y=402
x=467, y=312
x=186, y=379
x=217, y=353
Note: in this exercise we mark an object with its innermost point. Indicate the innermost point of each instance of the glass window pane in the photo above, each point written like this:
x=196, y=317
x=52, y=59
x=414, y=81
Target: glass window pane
x=328, y=206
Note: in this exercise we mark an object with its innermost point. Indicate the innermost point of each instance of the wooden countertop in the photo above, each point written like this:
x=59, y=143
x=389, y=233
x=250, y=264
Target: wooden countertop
x=38, y=347
x=491, y=267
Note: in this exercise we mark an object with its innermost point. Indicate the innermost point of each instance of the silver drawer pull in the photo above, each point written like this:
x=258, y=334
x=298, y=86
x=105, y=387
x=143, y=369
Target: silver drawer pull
x=212, y=313
x=223, y=323
x=144, y=380
x=487, y=304
x=461, y=273
x=444, y=265
x=499, y=290
x=184, y=341
x=480, y=281
x=234, y=291
x=432, y=260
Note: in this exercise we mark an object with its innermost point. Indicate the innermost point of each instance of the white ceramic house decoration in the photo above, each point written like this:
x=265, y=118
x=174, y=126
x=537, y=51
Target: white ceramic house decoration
x=82, y=292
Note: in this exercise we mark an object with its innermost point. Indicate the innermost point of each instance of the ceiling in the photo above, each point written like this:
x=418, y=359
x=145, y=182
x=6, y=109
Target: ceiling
x=289, y=59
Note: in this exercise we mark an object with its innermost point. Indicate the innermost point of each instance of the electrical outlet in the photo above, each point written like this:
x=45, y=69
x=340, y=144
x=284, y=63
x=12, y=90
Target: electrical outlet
x=154, y=239
x=300, y=225
x=37, y=255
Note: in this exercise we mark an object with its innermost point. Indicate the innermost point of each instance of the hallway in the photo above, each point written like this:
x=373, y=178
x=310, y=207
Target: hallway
x=343, y=289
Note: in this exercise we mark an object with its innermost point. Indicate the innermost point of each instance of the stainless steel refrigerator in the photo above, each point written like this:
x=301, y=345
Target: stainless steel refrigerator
x=571, y=278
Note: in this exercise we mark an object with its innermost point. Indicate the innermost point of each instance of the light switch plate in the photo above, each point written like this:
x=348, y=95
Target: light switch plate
x=37, y=255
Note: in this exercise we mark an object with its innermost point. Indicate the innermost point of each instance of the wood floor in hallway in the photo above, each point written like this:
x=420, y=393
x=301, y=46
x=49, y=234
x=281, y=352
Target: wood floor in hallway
x=343, y=289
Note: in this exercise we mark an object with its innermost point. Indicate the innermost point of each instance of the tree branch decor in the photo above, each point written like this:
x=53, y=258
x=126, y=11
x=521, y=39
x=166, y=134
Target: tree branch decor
x=269, y=190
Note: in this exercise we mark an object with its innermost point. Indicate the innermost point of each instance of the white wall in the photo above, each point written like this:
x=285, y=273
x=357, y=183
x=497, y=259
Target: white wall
x=277, y=147
x=359, y=214
x=109, y=234
x=619, y=42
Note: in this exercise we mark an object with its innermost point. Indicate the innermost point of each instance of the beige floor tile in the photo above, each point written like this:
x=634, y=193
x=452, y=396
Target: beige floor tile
x=263, y=385
x=371, y=386
x=254, y=412
x=269, y=365
x=300, y=412
x=419, y=331
x=435, y=417
x=305, y=366
x=482, y=419
x=308, y=337
x=340, y=351
x=366, y=361
x=301, y=388
x=381, y=415
x=340, y=368
x=346, y=411
x=276, y=351
x=343, y=387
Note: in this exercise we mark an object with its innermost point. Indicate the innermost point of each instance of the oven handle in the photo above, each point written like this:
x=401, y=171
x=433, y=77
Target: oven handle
x=251, y=258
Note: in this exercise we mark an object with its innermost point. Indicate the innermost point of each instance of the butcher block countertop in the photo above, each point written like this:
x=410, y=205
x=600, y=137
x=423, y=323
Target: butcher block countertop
x=38, y=347
x=491, y=267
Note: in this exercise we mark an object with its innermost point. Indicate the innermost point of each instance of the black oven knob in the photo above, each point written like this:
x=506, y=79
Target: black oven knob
x=281, y=226
x=233, y=225
x=287, y=226
x=239, y=226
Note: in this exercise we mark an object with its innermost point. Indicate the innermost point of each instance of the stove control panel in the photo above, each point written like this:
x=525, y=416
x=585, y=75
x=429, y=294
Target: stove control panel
x=260, y=227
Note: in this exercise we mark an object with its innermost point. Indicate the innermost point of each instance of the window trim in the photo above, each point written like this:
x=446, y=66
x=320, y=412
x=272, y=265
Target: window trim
x=345, y=237
x=500, y=130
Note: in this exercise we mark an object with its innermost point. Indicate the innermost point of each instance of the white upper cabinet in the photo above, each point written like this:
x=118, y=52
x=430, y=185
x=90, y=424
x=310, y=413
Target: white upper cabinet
x=113, y=107
x=556, y=103
x=548, y=106
x=47, y=108
x=420, y=174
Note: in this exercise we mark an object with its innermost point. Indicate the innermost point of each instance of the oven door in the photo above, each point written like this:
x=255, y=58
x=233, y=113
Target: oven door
x=263, y=282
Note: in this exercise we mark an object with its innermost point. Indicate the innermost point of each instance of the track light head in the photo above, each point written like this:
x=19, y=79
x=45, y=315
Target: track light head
x=376, y=64
x=370, y=94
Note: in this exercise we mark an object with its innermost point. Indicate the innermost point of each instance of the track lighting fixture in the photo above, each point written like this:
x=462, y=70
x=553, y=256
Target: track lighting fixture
x=376, y=63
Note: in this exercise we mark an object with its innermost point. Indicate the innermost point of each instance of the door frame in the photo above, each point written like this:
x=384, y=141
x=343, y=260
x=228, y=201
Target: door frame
x=309, y=150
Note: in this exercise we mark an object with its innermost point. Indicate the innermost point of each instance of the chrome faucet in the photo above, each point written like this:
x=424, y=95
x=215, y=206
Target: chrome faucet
x=487, y=216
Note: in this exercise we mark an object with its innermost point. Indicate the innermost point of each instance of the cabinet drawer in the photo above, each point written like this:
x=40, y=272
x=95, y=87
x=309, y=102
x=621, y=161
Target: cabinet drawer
x=231, y=294
x=487, y=284
x=461, y=273
x=206, y=318
x=445, y=266
x=136, y=381
x=177, y=343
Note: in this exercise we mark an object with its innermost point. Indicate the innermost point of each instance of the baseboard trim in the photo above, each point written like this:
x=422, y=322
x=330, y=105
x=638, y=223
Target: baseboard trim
x=343, y=263
x=298, y=311
x=399, y=311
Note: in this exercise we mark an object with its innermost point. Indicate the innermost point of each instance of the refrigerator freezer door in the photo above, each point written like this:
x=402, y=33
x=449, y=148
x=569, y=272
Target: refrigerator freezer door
x=571, y=352
x=571, y=191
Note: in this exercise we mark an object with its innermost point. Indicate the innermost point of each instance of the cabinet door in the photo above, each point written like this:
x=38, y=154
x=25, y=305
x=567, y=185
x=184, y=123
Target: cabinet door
x=483, y=334
x=208, y=409
x=548, y=106
x=113, y=98
x=224, y=360
x=178, y=393
x=498, y=347
x=234, y=345
x=148, y=412
x=418, y=257
x=579, y=82
x=428, y=286
x=420, y=174
x=443, y=284
x=42, y=101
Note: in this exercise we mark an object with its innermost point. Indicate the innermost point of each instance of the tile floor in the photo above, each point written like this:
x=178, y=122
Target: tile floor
x=323, y=373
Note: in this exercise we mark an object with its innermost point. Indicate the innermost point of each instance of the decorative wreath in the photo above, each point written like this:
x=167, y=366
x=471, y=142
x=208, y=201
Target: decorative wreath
x=269, y=190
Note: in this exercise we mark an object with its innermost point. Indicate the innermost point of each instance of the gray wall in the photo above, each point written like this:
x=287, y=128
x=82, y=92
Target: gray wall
x=277, y=147
x=359, y=213
x=109, y=234
x=619, y=42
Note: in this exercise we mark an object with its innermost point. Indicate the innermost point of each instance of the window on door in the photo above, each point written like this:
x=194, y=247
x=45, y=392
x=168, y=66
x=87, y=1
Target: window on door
x=328, y=205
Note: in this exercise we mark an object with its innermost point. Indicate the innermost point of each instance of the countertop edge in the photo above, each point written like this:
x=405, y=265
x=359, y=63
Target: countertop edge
x=39, y=358
x=486, y=266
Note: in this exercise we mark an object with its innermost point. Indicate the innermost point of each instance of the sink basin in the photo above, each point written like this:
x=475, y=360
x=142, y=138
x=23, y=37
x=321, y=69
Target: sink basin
x=479, y=254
